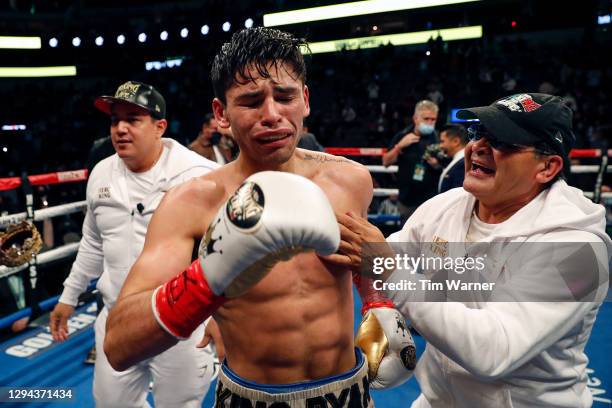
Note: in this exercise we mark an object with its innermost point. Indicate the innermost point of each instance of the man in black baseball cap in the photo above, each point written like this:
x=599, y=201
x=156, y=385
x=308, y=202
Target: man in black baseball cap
x=521, y=344
x=135, y=93
x=137, y=112
x=123, y=192
x=525, y=120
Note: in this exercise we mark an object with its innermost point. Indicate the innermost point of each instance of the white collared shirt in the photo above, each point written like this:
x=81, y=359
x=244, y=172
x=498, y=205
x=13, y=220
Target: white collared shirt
x=457, y=156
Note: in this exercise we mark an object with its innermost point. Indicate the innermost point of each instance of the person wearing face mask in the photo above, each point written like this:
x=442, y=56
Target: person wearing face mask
x=417, y=180
x=543, y=245
x=210, y=143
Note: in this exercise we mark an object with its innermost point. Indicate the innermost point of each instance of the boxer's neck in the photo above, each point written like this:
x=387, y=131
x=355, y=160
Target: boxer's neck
x=246, y=166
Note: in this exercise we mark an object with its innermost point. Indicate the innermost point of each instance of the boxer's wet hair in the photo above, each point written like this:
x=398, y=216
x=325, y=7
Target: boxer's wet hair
x=261, y=48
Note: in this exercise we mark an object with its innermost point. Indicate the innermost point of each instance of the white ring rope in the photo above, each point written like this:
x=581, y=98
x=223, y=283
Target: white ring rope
x=43, y=258
x=587, y=168
x=384, y=192
x=576, y=168
x=45, y=213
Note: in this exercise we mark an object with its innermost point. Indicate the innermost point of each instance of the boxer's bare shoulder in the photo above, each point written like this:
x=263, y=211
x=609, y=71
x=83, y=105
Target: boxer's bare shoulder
x=343, y=174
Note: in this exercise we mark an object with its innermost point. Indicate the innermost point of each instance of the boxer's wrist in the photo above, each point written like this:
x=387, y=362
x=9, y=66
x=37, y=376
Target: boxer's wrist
x=370, y=297
x=184, y=302
x=375, y=305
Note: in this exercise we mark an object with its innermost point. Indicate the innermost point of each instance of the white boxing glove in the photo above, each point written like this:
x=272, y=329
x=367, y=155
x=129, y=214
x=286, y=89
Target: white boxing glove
x=270, y=218
x=388, y=346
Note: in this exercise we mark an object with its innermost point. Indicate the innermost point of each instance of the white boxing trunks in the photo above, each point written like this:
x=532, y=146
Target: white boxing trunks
x=350, y=389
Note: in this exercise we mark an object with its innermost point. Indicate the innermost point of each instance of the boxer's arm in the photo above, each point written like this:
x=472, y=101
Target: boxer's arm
x=132, y=332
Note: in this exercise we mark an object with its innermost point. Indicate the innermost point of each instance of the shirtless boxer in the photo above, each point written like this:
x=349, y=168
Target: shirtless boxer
x=288, y=330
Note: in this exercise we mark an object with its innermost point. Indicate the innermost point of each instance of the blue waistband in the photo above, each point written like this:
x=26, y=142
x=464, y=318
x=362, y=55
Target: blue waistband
x=293, y=387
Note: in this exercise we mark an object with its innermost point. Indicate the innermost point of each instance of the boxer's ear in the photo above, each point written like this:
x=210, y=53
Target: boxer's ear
x=220, y=113
x=306, y=96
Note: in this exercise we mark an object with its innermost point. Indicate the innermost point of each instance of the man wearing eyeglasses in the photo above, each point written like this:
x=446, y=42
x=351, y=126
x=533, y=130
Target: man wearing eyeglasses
x=519, y=343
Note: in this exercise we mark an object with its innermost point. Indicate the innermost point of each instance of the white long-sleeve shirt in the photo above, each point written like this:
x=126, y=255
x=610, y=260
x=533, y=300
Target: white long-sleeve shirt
x=501, y=353
x=114, y=229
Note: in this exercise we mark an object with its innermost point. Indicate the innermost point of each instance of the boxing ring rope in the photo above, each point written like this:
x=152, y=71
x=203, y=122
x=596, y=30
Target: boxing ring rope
x=379, y=151
x=30, y=274
x=11, y=183
x=49, y=256
x=384, y=192
x=44, y=213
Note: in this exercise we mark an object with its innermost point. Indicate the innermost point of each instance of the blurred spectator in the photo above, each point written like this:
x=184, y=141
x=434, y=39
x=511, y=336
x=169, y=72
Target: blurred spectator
x=101, y=149
x=453, y=139
x=417, y=181
x=389, y=206
x=209, y=144
x=308, y=141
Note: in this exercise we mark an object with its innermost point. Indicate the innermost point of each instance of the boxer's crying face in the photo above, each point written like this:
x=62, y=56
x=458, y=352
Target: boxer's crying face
x=266, y=113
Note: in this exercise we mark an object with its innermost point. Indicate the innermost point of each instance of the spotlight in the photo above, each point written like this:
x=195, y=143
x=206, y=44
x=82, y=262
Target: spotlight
x=248, y=23
x=374, y=28
x=163, y=35
x=76, y=41
x=53, y=42
x=428, y=53
x=120, y=39
x=142, y=37
x=184, y=32
x=226, y=26
x=99, y=41
x=204, y=30
x=5, y=149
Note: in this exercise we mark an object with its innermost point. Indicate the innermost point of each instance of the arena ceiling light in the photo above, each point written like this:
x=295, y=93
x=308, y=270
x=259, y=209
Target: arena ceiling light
x=120, y=39
x=142, y=37
x=184, y=32
x=99, y=41
x=37, y=72
x=248, y=23
x=226, y=26
x=14, y=127
x=163, y=35
x=418, y=37
x=357, y=8
x=53, y=42
x=205, y=29
x=76, y=41
x=21, y=43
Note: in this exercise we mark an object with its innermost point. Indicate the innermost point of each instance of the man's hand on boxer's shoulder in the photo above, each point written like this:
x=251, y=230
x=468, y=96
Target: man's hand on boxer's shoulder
x=360, y=242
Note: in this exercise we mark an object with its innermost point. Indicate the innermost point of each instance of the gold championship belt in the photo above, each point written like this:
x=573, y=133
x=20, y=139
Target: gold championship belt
x=19, y=243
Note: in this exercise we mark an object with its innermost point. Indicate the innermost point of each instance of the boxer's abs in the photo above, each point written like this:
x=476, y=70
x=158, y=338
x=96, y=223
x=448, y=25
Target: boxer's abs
x=295, y=325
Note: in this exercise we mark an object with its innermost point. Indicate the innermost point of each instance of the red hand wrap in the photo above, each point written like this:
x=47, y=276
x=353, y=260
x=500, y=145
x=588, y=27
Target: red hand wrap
x=185, y=301
x=370, y=297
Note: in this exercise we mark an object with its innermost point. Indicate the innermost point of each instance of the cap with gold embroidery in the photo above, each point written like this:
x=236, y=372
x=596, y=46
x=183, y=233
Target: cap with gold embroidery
x=135, y=93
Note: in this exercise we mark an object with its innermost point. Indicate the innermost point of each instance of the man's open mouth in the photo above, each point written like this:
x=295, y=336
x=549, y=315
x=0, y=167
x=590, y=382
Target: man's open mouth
x=479, y=168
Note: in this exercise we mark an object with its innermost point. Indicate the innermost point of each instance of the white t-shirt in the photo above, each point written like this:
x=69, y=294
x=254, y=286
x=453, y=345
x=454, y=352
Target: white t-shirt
x=140, y=185
x=479, y=230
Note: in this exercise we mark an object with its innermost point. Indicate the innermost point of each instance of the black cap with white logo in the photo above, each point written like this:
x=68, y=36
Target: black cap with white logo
x=528, y=119
x=135, y=93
